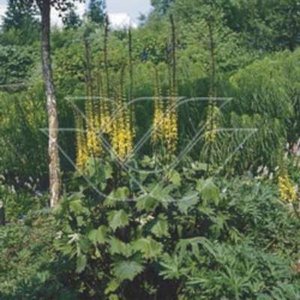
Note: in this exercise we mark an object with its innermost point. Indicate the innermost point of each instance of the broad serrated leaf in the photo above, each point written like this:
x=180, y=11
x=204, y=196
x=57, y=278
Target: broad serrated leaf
x=160, y=228
x=118, y=219
x=127, y=270
x=119, y=247
x=121, y=193
x=76, y=206
x=148, y=247
x=174, y=177
x=98, y=236
x=81, y=262
x=208, y=190
x=146, y=203
x=112, y=286
x=188, y=202
x=162, y=194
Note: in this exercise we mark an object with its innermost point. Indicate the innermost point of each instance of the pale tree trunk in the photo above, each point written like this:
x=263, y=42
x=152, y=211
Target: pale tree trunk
x=54, y=164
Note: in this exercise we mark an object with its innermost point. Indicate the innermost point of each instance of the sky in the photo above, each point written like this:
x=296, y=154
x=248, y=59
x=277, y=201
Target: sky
x=121, y=12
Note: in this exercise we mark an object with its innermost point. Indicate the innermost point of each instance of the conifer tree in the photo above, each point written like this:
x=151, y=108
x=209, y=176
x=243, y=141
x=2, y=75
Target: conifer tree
x=96, y=11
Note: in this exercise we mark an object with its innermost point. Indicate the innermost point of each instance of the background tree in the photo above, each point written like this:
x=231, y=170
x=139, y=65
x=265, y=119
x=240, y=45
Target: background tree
x=72, y=19
x=264, y=25
x=20, y=22
x=54, y=163
x=161, y=6
x=19, y=14
x=96, y=11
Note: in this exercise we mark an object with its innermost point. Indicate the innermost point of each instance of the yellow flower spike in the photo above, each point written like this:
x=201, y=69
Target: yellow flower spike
x=211, y=124
x=105, y=116
x=171, y=126
x=93, y=140
x=81, y=145
x=165, y=128
x=287, y=189
x=122, y=136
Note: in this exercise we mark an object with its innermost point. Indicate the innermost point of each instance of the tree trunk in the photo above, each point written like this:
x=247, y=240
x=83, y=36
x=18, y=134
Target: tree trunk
x=2, y=213
x=54, y=164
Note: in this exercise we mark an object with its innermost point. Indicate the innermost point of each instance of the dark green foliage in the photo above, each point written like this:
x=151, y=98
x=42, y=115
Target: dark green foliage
x=22, y=139
x=19, y=14
x=189, y=238
x=15, y=64
x=265, y=24
x=262, y=25
x=28, y=266
x=161, y=6
x=20, y=21
x=19, y=198
x=96, y=11
x=72, y=20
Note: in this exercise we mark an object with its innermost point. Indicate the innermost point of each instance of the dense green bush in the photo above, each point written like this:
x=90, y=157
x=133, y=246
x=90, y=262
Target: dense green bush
x=29, y=268
x=22, y=120
x=188, y=237
x=19, y=201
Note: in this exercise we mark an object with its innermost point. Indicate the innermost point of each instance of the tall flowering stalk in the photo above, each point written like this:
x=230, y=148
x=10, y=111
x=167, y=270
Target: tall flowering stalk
x=286, y=187
x=213, y=113
x=170, y=126
x=122, y=134
x=158, y=119
x=91, y=108
x=92, y=129
x=105, y=119
x=165, y=121
x=212, y=123
x=105, y=109
x=165, y=128
x=171, y=116
x=81, y=143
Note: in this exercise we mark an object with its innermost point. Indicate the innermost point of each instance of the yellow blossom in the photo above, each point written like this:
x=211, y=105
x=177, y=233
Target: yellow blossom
x=287, y=189
x=93, y=126
x=122, y=133
x=165, y=127
x=211, y=124
x=81, y=146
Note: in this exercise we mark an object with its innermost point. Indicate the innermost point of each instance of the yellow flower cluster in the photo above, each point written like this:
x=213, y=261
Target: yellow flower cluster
x=88, y=142
x=122, y=133
x=98, y=121
x=81, y=145
x=165, y=128
x=105, y=119
x=158, y=120
x=170, y=127
x=93, y=140
x=211, y=124
x=287, y=189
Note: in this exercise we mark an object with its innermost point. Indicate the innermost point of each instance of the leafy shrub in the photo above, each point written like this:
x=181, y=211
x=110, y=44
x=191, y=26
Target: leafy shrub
x=187, y=237
x=18, y=202
x=29, y=268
